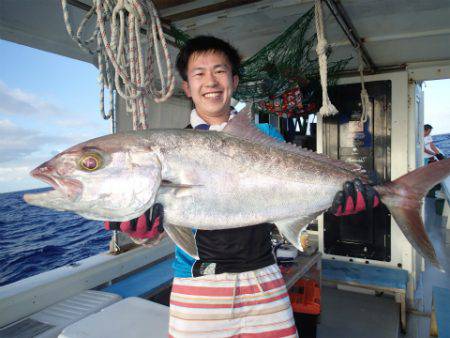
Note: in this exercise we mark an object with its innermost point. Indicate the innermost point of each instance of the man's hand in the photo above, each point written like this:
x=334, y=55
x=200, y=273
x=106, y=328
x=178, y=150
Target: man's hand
x=355, y=197
x=145, y=227
x=439, y=156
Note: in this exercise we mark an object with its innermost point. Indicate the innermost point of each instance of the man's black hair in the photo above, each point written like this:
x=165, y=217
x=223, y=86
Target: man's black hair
x=202, y=44
x=427, y=127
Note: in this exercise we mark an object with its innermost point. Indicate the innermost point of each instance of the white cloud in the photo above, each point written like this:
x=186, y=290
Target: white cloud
x=18, y=102
x=78, y=123
x=17, y=142
x=23, y=149
x=16, y=173
x=15, y=176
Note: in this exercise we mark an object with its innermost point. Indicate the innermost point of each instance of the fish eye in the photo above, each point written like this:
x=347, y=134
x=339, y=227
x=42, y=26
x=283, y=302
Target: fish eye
x=90, y=162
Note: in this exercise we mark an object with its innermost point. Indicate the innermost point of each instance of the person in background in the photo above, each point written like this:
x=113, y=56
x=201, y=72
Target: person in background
x=235, y=288
x=431, y=152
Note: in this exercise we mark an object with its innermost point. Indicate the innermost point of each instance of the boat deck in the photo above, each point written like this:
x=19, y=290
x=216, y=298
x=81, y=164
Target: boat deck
x=353, y=315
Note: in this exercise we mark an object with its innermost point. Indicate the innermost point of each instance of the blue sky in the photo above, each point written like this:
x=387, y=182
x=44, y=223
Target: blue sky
x=437, y=105
x=49, y=103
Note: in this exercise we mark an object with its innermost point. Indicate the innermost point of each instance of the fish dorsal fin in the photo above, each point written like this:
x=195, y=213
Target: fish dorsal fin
x=242, y=127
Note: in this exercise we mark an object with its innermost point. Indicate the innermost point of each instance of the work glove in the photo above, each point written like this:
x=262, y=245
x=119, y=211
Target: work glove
x=146, y=227
x=355, y=197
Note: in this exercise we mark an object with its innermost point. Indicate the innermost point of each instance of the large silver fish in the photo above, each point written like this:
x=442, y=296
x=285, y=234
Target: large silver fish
x=218, y=180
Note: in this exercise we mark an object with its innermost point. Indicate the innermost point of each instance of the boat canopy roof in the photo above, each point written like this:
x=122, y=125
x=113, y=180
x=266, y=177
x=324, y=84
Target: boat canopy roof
x=394, y=33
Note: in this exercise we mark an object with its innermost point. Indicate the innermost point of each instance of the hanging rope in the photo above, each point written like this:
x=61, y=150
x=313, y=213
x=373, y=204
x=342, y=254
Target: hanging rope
x=327, y=107
x=82, y=44
x=104, y=72
x=125, y=66
x=365, y=101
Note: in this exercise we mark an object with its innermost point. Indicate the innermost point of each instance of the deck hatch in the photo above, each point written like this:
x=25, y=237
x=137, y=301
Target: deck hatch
x=25, y=328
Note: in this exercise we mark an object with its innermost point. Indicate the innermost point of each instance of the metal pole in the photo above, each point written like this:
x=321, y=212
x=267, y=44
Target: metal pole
x=349, y=30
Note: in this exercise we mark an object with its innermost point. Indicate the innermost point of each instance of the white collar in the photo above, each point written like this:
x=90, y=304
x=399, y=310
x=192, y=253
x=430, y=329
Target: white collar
x=197, y=120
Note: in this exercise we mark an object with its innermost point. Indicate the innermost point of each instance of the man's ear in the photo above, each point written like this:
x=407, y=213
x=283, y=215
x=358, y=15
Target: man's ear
x=235, y=82
x=186, y=88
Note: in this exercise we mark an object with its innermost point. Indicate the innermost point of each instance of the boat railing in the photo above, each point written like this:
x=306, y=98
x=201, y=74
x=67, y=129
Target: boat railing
x=27, y=296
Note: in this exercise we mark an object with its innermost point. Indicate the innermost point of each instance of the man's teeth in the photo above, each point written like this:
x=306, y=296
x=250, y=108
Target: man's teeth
x=212, y=95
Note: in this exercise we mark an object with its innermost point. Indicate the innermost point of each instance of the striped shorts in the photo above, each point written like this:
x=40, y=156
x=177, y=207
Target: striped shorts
x=246, y=304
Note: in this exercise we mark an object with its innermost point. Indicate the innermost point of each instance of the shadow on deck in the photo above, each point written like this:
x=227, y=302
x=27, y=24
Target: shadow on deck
x=352, y=315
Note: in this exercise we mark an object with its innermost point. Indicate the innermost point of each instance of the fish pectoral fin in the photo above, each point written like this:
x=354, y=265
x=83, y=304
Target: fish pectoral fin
x=291, y=229
x=146, y=178
x=169, y=184
x=183, y=237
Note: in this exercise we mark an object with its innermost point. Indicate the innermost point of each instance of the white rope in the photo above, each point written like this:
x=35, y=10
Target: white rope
x=365, y=101
x=104, y=69
x=125, y=66
x=77, y=38
x=105, y=81
x=327, y=107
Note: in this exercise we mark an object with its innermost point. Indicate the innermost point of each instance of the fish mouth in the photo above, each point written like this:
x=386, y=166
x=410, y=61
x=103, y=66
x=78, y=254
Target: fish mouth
x=45, y=178
x=63, y=188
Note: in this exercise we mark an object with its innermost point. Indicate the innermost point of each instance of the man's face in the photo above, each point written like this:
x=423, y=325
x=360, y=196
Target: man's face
x=210, y=83
x=427, y=132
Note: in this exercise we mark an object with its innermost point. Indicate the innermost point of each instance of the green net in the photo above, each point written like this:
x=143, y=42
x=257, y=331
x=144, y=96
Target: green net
x=283, y=77
x=179, y=36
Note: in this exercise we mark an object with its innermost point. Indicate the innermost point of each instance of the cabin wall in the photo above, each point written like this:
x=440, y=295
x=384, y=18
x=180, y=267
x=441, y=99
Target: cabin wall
x=174, y=113
x=416, y=111
x=416, y=122
x=402, y=149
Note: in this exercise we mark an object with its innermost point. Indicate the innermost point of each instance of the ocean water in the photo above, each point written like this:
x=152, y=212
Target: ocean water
x=443, y=143
x=34, y=240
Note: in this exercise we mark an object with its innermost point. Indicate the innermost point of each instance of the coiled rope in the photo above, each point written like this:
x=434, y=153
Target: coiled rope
x=327, y=107
x=125, y=66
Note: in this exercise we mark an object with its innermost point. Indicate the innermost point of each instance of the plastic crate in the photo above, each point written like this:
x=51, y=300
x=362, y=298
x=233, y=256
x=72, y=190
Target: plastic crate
x=305, y=297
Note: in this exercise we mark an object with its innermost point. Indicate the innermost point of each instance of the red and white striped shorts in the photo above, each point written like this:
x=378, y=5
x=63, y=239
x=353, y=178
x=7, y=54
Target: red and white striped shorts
x=246, y=304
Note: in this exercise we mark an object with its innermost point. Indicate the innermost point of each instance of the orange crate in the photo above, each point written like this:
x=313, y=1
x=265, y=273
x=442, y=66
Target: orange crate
x=305, y=297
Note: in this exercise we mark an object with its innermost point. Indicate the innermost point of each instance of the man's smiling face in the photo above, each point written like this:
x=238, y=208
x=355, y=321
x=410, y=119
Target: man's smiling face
x=210, y=83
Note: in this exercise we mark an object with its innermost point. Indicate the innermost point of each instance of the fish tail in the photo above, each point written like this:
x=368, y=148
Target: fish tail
x=403, y=197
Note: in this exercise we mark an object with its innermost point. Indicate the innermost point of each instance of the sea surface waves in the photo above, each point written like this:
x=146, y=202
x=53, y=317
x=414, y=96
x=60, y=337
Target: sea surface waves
x=34, y=239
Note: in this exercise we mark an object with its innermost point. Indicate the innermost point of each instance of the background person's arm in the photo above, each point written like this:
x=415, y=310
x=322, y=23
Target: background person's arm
x=429, y=152
x=434, y=148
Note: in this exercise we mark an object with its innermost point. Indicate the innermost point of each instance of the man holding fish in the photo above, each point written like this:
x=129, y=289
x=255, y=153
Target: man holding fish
x=234, y=287
x=229, y=184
